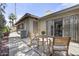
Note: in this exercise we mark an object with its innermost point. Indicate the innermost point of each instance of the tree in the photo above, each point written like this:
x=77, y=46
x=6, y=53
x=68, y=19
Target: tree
x=2, y=18
x=12, y=17
x=2, y=7
x=2, y=21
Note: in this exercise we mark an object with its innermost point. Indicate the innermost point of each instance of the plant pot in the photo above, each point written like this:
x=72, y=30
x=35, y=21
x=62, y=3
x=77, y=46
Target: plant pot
x=43, y=32
x=6, y=34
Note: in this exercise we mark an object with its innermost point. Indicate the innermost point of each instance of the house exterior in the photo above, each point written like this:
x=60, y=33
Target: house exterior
x=62, y=23
x=27, y=24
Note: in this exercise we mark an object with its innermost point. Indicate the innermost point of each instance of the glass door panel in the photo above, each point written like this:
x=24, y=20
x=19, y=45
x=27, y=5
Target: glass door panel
x=58, y=28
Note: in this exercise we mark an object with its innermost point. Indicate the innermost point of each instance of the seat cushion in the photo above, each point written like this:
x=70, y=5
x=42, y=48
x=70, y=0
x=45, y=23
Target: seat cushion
x=59, y=47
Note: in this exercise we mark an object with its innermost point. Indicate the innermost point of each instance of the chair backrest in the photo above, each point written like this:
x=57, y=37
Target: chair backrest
x=43, y=37
x=61, y=41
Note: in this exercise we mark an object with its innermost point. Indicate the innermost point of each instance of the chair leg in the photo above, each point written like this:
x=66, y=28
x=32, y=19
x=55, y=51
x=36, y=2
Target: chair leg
x=53, y=52
x=67, y=53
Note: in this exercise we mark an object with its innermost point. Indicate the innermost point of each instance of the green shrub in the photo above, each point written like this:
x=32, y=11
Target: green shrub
x=6, y=29
x=43, y=32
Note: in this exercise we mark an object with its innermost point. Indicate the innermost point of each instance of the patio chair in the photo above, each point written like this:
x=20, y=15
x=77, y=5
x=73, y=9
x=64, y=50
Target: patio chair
x=61, y=44
x=43, y=41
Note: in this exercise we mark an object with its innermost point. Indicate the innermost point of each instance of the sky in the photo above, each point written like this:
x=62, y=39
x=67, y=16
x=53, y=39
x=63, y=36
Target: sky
x=38, y=9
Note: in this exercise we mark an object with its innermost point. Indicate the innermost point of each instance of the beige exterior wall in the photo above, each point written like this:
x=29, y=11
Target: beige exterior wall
x=50, y=23
x=42, y=26
x=32, y=27
x=35, y=27
x=53, y=17
x=66, y=17
x=28, y=26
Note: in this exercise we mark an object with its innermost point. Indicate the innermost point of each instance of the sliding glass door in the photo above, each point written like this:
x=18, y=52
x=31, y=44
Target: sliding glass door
x=58, y=28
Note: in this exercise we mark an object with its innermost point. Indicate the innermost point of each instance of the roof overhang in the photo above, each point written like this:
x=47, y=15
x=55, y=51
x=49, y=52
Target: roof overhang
x=27, y=15
x=62, y=11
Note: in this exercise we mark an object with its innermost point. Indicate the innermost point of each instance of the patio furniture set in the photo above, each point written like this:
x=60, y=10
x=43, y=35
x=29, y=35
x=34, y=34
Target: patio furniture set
x=49, y=44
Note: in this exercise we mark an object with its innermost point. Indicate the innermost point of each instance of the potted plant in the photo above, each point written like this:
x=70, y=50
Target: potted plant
x=43, y=32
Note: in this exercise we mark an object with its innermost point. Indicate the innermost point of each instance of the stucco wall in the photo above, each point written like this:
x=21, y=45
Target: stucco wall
x=50, y=23
x=32, y=29
x=42, y=26
x=42, y=23
x=31, y=26
x=35, y=27
x=65, y=16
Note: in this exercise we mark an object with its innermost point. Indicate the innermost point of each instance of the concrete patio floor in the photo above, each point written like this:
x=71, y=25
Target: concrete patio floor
x=73, y=48
x=19, y=47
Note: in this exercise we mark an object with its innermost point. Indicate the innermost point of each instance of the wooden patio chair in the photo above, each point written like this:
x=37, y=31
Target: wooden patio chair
x=44, y=42
x=61, y=44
